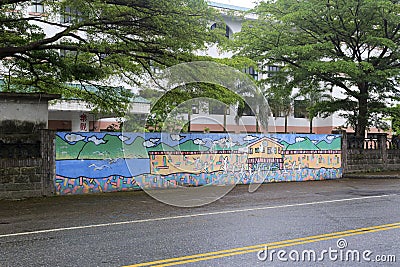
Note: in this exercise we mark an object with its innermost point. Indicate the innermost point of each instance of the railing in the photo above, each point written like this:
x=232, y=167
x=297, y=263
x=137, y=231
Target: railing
x=372, y=143
x=362, y=143
x=394, y=143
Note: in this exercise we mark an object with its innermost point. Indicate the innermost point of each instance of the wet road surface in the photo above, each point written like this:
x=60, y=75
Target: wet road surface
x=131, y=228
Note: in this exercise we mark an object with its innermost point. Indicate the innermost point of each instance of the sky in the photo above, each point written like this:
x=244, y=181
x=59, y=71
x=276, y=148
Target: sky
x=242, y=3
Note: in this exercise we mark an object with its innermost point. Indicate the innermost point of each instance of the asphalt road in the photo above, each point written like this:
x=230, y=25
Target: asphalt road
x=337, y=220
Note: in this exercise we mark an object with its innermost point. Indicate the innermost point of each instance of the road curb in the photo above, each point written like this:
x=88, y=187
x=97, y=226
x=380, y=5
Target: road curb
x=372, y=176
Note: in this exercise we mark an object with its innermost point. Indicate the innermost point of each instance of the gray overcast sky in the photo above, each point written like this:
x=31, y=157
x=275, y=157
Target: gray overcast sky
x=243, y=3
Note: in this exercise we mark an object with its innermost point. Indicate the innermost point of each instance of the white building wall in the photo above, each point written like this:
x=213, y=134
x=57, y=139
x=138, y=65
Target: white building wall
x=24, y=110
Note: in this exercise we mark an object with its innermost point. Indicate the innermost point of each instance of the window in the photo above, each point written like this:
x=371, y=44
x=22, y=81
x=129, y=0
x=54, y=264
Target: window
x=228, y=31
x=36, y=7
x=65, y=52
x=247, y=111
x=154, y=67
x=253, y=73
x=278, y=110
x=102, y=56
x=273, y=70
x=218, y=108
x=195, y=109
x=300, y=109
x=70, y=14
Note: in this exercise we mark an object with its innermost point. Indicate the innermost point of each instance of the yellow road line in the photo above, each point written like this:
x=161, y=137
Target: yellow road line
x=256, y=248
x=271, y=247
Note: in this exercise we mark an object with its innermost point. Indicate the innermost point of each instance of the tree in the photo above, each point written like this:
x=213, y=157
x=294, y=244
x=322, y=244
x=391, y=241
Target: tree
x=96, y=42
x=395, y=115
x=352, y=45
x=280, y=100
x=175, y=89
x=315, y=98
x=166, y=106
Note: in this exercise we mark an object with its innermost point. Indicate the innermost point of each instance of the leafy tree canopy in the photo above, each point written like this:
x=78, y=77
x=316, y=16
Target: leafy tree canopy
x=348, y=44
x=214, y=80
x=181, y=99
x=95, y=42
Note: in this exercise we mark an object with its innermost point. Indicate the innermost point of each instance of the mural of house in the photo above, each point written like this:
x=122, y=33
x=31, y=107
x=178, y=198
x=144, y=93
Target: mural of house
x=266, y=152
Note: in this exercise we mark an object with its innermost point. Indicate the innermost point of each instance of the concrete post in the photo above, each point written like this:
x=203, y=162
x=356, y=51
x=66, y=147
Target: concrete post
x=344, y=151
x=382, y=140
x=27, y=166
x=344, y=148
x=48, y=154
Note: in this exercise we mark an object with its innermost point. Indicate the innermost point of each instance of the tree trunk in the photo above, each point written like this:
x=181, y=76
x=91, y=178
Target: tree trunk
x=286, y=123
x=362, y=118
x=225, y=110
x=257, y=126
x=189, y=119
x=311, y=125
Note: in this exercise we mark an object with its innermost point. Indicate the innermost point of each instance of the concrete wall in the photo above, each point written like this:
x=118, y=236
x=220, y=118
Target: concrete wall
x=370, y=155
x=27, y=165
x=23, y=113
x=27, y=157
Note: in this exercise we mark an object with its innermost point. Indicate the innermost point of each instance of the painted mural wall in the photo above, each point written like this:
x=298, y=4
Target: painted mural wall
x=104, y=162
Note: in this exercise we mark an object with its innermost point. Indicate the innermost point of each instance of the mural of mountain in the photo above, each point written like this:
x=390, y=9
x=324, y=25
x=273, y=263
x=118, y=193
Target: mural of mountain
x=136, y=149
x=66, y=150
x=334, y=145
x=110, y=148
x=285, y=144
x=160, y=147
x=234, y=147
x=190, y=146
x=306, y=144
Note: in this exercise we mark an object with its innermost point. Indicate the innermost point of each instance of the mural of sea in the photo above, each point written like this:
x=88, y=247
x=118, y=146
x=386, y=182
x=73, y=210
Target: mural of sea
x=113, y=161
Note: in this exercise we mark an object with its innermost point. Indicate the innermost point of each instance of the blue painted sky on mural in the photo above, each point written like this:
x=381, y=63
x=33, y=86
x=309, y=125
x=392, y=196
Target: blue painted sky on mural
x=154, y=139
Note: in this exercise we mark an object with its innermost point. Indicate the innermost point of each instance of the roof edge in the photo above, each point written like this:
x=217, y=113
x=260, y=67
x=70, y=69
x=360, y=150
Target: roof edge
x=44, y=96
